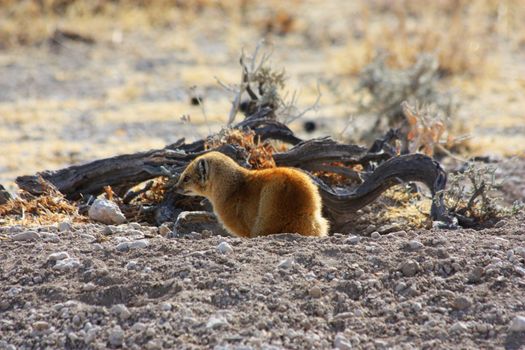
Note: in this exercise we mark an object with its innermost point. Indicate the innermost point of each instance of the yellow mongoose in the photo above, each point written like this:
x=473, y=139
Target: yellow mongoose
x=251, y=203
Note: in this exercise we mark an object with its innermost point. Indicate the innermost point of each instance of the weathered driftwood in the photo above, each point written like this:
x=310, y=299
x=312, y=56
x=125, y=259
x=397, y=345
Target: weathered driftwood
x=125, y=171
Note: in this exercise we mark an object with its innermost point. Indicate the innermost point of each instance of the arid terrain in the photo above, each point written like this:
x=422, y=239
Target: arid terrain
x=81, y=81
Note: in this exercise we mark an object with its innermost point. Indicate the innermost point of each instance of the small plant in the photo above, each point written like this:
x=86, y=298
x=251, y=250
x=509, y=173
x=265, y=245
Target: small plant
x=472, y=195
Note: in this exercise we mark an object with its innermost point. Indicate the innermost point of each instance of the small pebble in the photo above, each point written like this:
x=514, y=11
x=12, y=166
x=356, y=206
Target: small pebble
x=58, y=256
x=67, y=264
x=122, y=247
x=116, y=336
x=375, y=235
x=138, y=327
x=132, y=265
x=415, y=245
x=121, y=311
x=517, y=324
x=315, y=292
x=50, y=237
x=409, y=268
x=458, y=327
x=352, y=240
x=461, y=303
x=286, y=263
x=216, y=321
x=106, y=212
x=224, y=248
x=165, y=307
x=341, y=343
x=141, y=243
x=40, y=326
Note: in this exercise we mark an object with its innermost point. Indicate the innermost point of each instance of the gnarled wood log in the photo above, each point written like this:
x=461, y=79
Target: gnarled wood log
x=125, y=171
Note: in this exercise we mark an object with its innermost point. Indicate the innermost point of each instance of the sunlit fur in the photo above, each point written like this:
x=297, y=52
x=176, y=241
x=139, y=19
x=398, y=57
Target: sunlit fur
x=251, y=203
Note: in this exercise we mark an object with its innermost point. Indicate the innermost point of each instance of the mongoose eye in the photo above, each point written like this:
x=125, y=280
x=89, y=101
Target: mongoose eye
x=186, y=179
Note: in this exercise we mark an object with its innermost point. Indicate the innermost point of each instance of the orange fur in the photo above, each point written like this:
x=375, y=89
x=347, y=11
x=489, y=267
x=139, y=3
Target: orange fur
x=251, y=203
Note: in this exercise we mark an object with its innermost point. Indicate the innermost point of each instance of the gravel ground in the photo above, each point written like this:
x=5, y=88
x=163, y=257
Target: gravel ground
x=82, y=287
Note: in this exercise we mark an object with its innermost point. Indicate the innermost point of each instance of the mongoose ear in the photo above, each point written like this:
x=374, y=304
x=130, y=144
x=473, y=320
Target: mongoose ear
x=204, y=170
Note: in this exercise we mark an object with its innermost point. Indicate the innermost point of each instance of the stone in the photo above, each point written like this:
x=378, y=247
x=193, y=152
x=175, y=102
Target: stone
x=67, y=264
x=122, y=247
x=224, y=248
x=165, y=307
x=286, y=263
x=341, y=343
x=352, y=240
x=121, y=311
x=58, y=256
x=106, y=212
x=315, y=292
x=26, y=236
x=458, y=327
x=216, y=321
x=461, y=303
x=116, y=336
x=139, y=244
x=138, y=327
x=375, y=235
x=40, y=326
x=517, y=324
x=415, y=245
x=409, y=268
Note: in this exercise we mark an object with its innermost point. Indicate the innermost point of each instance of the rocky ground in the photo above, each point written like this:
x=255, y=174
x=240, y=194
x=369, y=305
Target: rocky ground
x=97, y=286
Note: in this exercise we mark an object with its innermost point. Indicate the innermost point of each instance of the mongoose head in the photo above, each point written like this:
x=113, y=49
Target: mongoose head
x=197, y=178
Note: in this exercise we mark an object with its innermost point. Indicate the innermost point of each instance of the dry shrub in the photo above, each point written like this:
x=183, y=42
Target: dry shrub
x=259, y=154
x=48, y=208
x=384, y=89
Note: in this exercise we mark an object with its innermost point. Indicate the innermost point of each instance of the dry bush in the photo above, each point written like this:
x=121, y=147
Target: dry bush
x=473, y=195
x=49, y=208
x=258, y=153
x=384, y=89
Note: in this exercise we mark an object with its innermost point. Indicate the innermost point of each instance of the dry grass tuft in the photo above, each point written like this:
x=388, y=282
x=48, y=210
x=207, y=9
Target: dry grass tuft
x=259, y=154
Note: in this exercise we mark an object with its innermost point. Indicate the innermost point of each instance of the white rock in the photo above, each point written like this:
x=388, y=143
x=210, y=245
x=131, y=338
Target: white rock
x=517, y=324
x=64, y=226
x=58, y=256
x=375, y=235
x=141, y=243
x=106, y=212
x=224, y=248
x=26, y=236
x=216, y=321
x=121, y=311
x=67, y=264
x=520, y=270
x=40, y=326
x=89, y=287
x=286, y=263
x=341, y=343
x=116, y=336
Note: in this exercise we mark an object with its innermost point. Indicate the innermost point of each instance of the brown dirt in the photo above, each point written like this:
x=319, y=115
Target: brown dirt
x=459, y=288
